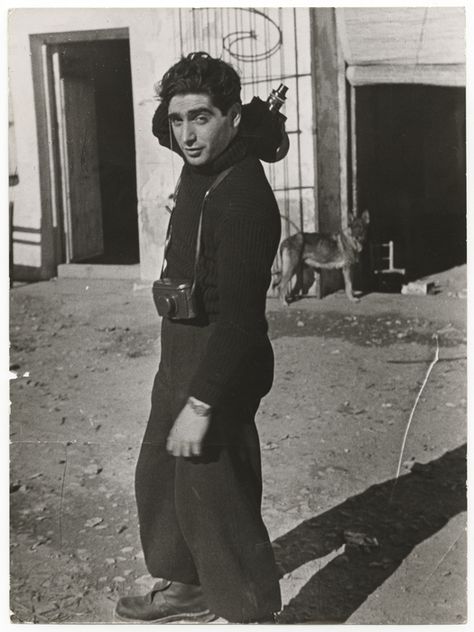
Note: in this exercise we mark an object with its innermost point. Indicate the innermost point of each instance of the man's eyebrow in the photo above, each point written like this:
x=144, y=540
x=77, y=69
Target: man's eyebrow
x=198, y=111
x=190, y=113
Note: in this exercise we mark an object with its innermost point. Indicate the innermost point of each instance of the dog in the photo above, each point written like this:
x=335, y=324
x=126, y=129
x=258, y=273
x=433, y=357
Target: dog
x=303, y=253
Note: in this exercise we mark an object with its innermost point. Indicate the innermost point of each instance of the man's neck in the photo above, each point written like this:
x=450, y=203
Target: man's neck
x=232, y=153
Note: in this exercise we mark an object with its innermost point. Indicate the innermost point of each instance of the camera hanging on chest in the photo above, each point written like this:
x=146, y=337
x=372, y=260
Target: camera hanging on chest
x=176, y=298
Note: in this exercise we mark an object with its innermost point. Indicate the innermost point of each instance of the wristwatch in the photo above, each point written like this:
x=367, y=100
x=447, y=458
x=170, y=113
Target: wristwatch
x=201, y=409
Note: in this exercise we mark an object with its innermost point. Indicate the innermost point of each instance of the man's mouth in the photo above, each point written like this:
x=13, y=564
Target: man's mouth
x=193, y=151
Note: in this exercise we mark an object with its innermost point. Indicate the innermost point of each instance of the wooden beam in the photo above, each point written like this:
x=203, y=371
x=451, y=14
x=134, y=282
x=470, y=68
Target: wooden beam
x=353, y=126
x=92, y=35
x=450, y=75
x=342, y=95
x=330, y=123
x=48, y=254
x=314, y=89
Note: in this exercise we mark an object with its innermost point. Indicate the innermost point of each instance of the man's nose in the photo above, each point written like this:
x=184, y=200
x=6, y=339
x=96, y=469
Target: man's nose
x=189, y=135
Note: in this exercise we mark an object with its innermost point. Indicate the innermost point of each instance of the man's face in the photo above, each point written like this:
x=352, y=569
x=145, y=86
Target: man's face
x=200, y=129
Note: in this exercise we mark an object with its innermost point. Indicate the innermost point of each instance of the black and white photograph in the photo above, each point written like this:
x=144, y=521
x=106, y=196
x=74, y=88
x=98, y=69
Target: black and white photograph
x=237, y=318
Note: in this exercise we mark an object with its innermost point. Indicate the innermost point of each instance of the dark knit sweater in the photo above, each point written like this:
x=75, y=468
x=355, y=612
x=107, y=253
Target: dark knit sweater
x=240, y=236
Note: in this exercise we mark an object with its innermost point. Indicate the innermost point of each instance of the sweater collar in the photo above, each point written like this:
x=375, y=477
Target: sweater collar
x=233, y=153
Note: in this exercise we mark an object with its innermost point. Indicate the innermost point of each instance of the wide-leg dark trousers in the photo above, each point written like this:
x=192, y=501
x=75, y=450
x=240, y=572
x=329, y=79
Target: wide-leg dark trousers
x=200, y=518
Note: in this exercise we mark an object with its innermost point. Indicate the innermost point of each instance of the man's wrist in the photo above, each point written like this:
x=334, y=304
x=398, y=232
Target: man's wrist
x=199, y=408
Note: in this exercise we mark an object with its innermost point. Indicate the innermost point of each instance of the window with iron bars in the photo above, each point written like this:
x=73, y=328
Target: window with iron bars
x=267, y=47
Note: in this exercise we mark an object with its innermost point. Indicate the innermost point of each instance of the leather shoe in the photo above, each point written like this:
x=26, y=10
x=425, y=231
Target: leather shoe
x=166, y=602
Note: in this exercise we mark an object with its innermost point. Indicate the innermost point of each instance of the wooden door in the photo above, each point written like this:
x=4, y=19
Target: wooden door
x=79, y=164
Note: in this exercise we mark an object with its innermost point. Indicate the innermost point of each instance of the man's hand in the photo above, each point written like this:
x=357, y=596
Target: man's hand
x=189, y=429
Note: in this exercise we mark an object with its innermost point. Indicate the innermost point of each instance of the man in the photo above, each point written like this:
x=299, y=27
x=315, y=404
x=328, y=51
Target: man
x=198, y=478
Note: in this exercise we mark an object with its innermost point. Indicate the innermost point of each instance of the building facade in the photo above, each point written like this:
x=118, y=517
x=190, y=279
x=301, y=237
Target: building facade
x=91, y=183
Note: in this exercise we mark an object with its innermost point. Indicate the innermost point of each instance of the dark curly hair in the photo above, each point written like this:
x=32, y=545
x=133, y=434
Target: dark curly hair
x=202, y=74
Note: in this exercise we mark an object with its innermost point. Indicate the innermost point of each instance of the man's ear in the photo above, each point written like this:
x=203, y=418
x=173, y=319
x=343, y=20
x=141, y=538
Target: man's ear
x=235, y=114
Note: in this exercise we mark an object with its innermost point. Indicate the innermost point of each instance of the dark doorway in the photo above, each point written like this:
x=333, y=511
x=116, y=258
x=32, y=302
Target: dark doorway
x=411, y=173
x=104, y=68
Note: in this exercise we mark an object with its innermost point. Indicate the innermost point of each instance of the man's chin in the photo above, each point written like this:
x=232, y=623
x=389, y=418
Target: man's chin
x=196, y=160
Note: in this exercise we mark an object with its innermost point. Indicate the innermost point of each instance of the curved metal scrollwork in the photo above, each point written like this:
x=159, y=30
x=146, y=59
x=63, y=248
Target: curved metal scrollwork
x=265, y=31
x=263, y=39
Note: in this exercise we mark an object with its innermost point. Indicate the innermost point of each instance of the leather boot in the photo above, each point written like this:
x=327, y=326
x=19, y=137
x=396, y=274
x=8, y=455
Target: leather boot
x=166, y=602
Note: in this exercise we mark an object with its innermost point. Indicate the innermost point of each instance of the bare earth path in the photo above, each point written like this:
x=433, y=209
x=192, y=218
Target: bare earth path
x=353, y=545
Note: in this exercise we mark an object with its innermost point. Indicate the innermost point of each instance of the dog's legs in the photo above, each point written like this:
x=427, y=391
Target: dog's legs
x=298, y=282
x=287, y=271
x=304, y=280
x=308, y=276
x=346, y=271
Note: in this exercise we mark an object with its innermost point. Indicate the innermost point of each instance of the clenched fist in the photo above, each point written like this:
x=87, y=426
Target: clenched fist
x=189, y=429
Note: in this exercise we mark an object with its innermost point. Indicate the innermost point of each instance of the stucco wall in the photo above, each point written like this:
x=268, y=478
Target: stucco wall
x=152, y=49
x=154, y=45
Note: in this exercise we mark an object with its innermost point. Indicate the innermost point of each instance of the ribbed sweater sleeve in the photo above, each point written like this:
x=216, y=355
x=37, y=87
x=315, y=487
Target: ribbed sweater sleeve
x=246, y=248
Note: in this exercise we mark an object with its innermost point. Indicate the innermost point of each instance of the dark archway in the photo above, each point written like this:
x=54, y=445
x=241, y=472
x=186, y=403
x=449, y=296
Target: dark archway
x=411, y=161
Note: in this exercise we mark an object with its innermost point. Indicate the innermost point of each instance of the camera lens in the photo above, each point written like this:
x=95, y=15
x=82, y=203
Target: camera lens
x=166, y=306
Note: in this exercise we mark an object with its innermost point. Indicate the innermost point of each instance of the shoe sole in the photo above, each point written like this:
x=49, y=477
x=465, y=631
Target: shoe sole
x=191, y=617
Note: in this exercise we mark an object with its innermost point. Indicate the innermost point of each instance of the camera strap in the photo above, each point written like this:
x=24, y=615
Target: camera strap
x=168, y=230
x=214, y=185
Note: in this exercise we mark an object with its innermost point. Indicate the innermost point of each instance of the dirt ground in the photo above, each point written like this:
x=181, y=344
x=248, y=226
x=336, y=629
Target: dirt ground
x=355, y=543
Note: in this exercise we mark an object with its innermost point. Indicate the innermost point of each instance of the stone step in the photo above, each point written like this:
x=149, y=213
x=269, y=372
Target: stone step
x=98, y=271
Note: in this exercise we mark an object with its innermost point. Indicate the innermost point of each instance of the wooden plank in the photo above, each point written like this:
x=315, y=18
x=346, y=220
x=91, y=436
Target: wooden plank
x=453, y=75
x=343, y=134
x=48, y=250
x=84, y=36
x=353, y=125
x=314, y=90
x=63, y=169
x=329, y=129
x=83, y=168
x=404, y=35
x=327, y=119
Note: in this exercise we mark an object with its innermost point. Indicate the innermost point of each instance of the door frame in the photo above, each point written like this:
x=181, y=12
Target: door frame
x=49, y=164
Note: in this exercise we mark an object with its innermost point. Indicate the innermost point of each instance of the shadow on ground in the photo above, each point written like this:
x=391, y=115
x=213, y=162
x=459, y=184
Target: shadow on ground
x=379, y=330
x=396, y=516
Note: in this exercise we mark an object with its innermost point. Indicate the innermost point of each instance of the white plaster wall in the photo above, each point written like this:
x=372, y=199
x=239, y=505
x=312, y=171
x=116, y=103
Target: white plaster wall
x=153, y=45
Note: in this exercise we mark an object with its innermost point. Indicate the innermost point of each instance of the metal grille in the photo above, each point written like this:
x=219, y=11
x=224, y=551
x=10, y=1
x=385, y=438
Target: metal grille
x=266, y=46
